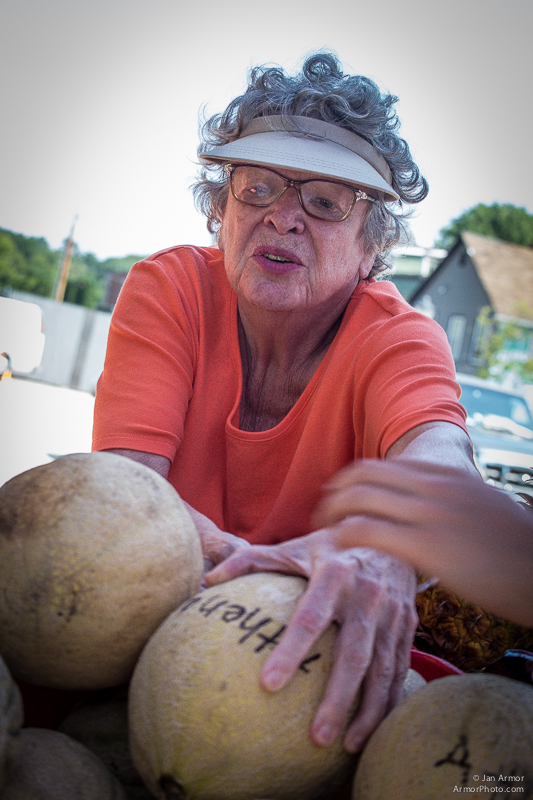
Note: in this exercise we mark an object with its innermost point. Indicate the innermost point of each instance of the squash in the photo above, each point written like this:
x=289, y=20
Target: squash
x=11, y=716
x=101, y=725
x=95, y=551
x=459, y=734
x=47, y=765
x=201, y=725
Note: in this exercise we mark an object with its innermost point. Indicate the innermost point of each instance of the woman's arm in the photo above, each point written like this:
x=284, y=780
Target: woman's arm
x=477, y=539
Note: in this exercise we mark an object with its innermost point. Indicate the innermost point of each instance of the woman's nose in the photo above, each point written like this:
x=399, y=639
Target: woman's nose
x=286, y=214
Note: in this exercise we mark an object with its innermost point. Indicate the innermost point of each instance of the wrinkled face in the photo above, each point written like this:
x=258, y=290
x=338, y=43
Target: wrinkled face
x=281, y=259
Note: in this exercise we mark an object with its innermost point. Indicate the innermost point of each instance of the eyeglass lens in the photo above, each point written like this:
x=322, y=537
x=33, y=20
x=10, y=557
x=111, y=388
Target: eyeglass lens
x=258, y=186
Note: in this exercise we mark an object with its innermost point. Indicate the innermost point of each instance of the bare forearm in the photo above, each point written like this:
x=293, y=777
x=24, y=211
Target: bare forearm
x=478, y=540
x=440, y=443
x=159, y=464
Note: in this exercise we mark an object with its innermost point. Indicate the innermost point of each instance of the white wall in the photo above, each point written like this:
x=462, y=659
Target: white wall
x=75, y=343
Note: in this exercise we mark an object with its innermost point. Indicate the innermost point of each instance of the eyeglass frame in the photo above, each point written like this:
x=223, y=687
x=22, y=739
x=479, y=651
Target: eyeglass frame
x=358, y=194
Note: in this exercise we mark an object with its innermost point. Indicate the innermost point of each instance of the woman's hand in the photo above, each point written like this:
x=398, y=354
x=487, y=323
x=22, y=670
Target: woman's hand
x=217, y=545
x=477, y=539
x=370, y=596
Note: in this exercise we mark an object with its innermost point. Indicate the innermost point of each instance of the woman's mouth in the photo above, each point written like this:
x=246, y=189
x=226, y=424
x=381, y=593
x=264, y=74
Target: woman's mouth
x=275, y=260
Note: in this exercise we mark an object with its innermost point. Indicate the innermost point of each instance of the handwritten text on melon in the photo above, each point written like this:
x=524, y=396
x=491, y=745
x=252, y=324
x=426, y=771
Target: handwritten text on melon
x=249, y=621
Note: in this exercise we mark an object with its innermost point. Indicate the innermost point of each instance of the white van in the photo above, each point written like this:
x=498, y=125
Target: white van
x=21, y=335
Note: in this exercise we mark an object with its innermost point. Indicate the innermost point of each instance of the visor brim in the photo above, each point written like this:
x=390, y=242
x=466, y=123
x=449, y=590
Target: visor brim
x=320, y=157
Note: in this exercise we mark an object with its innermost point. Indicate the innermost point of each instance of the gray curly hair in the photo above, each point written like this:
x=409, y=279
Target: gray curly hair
x=321, y=91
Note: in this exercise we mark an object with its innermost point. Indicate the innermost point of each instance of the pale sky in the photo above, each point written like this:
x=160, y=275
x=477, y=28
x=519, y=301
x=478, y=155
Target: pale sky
x=100, y=100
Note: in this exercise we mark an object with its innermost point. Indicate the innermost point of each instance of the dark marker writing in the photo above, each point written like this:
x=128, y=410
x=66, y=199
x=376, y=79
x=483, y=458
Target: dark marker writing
x=458, y=756
x=249, y=621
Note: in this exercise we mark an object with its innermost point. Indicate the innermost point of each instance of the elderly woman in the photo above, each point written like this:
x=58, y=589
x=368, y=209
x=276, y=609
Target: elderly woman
x=277, y=359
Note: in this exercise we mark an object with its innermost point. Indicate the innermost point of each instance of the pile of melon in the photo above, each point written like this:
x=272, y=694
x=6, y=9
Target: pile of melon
x=41, y=764
x=100, y=572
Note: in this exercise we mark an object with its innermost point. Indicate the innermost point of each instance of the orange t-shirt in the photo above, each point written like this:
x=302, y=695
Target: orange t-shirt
x=172, y=382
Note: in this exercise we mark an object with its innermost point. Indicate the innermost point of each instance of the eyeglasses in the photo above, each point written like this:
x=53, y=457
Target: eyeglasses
x=260, y=186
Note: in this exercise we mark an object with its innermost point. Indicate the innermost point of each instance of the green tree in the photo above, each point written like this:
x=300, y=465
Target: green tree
x=87, y=279
x=505, y=347
x=26, y=263
x=85, y=285
x=122, y=264
x=505, y=222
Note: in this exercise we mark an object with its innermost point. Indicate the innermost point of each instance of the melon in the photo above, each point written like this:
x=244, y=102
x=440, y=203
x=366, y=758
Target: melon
x=457, y=735
x=201, y=725
x=101, y=725
x=95, y=551
x=413, y=682
x=47, y=765
x=11, y=716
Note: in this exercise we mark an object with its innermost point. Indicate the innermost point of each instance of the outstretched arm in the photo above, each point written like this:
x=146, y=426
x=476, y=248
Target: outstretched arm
x=477, y=539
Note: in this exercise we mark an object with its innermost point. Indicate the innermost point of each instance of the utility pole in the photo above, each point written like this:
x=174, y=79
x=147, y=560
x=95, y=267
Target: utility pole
x=61, y=284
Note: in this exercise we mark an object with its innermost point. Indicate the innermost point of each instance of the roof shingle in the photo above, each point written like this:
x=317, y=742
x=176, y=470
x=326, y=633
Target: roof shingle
x=506, y=272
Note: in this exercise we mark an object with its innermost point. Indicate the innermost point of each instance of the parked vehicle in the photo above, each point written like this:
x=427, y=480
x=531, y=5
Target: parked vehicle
x=500, y=425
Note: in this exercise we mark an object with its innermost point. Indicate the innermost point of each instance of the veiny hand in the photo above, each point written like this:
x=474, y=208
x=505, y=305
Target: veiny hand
x=477, y=539
x=216, y=544
x=371, y=597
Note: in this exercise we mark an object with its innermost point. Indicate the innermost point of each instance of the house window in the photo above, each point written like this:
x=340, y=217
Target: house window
x=455, y=331
x=481, y=330
x=426, y=306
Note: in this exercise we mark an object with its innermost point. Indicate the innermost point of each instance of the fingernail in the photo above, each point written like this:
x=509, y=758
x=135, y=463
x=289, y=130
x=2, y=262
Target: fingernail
x=273, y=680
x=353, y=745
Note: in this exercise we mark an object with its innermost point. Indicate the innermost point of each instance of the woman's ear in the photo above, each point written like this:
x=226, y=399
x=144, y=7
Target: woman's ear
x=220, y=238
x=220, y=234
x=365, y=266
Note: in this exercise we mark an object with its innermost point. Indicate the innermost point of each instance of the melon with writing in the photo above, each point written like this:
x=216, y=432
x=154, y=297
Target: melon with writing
x=458, y=735
x=201, y=725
